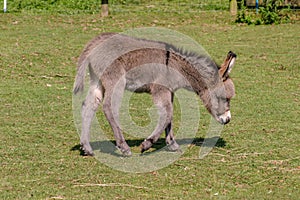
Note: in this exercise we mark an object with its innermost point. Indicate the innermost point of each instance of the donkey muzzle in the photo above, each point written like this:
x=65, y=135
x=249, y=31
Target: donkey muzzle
x=225, y=118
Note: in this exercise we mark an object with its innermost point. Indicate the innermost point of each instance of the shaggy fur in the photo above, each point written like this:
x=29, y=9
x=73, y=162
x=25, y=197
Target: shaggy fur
x=117, y=62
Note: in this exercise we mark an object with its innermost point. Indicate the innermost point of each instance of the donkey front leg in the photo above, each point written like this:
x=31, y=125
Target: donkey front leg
x=162, y=98
x=170, y=139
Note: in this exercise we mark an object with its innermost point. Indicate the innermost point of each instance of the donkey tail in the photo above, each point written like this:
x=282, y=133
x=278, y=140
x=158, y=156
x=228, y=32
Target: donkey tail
x=79, y=80
x=84, y=60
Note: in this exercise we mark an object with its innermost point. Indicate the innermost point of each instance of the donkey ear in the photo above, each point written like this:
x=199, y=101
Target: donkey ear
x=227, y=65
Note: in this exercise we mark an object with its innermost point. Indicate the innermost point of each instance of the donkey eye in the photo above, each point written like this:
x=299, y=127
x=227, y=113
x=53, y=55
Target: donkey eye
x=224, y=98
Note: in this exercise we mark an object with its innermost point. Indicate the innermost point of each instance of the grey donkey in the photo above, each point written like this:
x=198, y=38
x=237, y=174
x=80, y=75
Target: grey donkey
x=117, y=62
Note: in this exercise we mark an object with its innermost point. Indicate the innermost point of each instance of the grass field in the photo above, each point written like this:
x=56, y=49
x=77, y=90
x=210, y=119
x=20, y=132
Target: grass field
x=258, y=156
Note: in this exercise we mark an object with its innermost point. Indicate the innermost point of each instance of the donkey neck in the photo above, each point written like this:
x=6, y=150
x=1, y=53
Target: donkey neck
x=200, y=72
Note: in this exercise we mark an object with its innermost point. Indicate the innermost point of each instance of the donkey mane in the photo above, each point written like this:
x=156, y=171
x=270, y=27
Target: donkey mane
x=200, y=61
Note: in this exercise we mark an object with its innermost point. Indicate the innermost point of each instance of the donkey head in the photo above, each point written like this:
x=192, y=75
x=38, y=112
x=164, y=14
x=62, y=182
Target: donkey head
x=219, y=96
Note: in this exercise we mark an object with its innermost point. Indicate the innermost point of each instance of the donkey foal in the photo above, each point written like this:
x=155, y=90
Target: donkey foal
x=117, y=62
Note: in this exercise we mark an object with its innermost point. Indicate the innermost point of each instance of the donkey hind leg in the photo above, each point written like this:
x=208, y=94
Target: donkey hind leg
x=162, y=98
x=111, y=107
x=89, y=108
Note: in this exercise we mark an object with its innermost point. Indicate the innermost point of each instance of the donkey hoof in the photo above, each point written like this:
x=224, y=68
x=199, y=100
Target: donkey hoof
x=174, y=147
x=146, y=145
x=125, y=149
x=89, y=153
x=126, y=153
x=86, y=152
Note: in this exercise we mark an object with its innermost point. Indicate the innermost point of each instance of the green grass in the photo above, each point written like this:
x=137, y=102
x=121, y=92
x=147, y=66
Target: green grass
x=115, y=6
x=259, y=153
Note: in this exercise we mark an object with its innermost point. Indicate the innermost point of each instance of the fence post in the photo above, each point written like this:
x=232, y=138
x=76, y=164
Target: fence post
x=104, y=8
x=4, y=6
x=233, y=7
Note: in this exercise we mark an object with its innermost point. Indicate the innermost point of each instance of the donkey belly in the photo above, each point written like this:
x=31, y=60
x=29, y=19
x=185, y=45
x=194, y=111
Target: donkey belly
x=141, y=78
x=137, y=86
x=142, y=82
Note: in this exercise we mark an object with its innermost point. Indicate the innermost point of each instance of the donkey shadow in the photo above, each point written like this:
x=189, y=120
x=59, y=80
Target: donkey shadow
x=107, y=147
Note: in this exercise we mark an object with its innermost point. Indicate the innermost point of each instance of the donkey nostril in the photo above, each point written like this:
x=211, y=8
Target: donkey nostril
x=225, y=121
x=225, y=118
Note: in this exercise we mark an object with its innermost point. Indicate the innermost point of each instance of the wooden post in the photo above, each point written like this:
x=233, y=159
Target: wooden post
x=104, y=8
x=233, y=7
